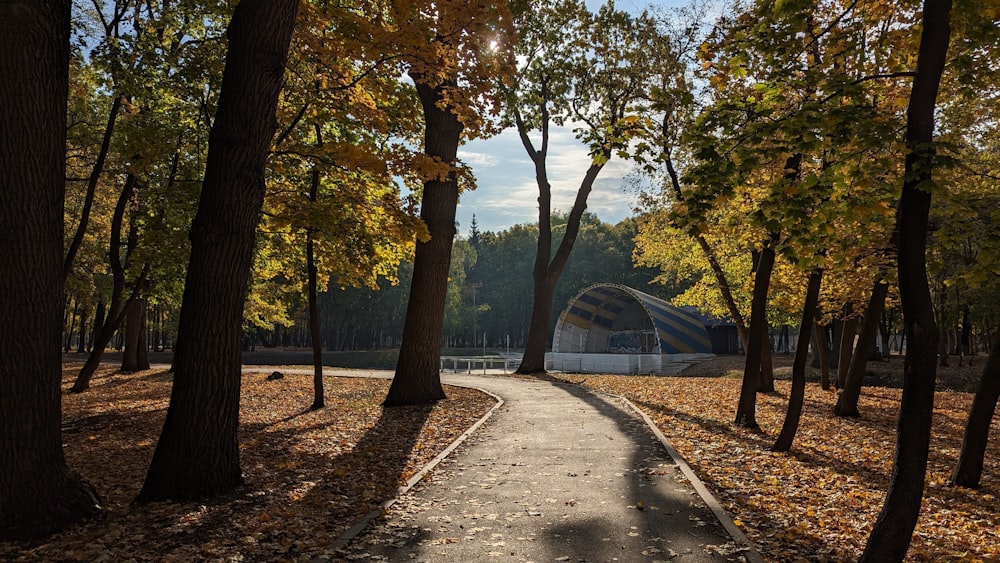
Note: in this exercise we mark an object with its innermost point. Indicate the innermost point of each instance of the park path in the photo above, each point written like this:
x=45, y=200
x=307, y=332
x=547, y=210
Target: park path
x=558, y=473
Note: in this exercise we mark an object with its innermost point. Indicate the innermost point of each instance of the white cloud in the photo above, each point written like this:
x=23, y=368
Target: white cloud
x=507, y=193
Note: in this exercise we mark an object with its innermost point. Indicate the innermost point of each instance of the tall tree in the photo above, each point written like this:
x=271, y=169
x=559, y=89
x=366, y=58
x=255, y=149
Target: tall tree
x=38, y=494
x=198, y=453
x=891, y=534
x=451, y=72
x=796, y=396
x=580, y=68
x=418, y=378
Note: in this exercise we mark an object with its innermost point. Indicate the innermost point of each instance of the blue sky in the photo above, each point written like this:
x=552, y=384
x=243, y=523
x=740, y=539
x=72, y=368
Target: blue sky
x=507, y=193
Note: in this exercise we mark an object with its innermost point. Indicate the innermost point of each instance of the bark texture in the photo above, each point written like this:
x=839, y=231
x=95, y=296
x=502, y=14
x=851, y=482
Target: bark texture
x=969, y=468
x=797, y=395
x=38, y=494
x=746, y=412
x=418, y=379
x=893, y=529
x=847, y=402
x=197, y=455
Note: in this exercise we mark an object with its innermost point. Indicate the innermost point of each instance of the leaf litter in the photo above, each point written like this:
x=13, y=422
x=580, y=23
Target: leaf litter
x=310, y=475
x=819, y=501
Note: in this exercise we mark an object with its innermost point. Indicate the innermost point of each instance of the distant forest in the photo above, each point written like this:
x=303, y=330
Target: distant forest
x=489, y=293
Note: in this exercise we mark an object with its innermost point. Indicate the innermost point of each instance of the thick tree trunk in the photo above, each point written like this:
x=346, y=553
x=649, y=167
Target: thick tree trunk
x=746, y=412
x=38, y=494
x=418, y=379
x=847, y=402
x=533, y=360
x=135, y=357
x=969, y=468
x=197, y=455
x=797, y=395
x=891, y=534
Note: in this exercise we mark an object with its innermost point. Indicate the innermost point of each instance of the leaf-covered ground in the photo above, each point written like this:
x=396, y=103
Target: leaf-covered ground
x=819, y=501
x=309, y=475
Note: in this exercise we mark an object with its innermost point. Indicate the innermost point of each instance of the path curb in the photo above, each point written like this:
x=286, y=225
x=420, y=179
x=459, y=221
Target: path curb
x=345, y=538
x=750, y=551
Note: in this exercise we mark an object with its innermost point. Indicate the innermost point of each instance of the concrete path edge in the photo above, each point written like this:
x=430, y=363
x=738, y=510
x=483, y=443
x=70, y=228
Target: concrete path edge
x=750, y=550
x=352, y=532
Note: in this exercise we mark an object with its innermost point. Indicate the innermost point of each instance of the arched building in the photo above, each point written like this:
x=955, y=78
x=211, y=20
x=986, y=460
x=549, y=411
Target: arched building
x=613, y=328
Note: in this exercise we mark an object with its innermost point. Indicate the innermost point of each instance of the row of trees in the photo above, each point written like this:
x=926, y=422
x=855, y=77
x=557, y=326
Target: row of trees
x=200, y=117
x=810, y=139
x=489, y=290
x=270, y=162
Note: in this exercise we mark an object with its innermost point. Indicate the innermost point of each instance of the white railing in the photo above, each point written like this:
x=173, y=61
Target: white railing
x=477, y=364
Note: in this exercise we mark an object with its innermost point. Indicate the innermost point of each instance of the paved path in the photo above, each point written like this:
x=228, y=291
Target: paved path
x=557, y=474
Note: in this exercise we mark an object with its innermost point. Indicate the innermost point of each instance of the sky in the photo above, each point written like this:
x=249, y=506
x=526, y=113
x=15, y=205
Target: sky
x=507, y=193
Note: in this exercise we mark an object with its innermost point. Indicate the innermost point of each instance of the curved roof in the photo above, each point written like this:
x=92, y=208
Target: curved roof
x=615, y=318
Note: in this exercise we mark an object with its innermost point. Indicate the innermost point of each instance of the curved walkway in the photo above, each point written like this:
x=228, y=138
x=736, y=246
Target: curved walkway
x=558, y=473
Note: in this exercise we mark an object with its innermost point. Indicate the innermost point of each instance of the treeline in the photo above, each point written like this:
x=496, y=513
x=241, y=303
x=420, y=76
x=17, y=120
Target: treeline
x=489, y=291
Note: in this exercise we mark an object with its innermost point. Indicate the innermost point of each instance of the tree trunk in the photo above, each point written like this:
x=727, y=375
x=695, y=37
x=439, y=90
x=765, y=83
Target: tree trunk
x=969, y=468
x=117, y=308
x=548, y=267
x=418, y=379
x=312, y=274
x=845, y=349
x=38, y=494
x=883, y=330
x=893, y=530
x=81, y=345
x=766, y=361
x=99, y=318
x=95, y=175
x=847, y=402
x=135, y=357
x=197, y=455
x=746, y=415
x=72, y=326
x=824, y=358
x=130, y=359
x=696, y=232
x=797, y=395
x=142, y=348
